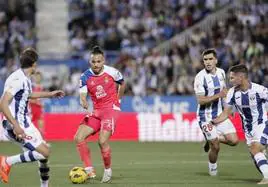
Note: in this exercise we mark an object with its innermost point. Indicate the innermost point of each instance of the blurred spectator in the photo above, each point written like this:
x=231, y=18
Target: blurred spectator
x=54, y=84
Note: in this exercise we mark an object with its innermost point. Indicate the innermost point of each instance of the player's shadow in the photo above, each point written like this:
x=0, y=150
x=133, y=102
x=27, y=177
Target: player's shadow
x=200, y=173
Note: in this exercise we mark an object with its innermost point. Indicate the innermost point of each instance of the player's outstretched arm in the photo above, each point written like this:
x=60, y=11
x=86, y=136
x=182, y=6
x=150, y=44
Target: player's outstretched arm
x=56, y=93
x=121, y=90
x=4, y=105
x=223, y=116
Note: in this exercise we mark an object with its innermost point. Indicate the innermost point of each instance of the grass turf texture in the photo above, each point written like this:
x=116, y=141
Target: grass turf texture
x=143, y=164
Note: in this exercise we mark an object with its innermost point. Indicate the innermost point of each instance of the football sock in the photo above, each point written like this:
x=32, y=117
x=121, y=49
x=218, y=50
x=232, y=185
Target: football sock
x=106, y=157
x=43, y=170
x=84, y=153
x=28, y=156
x=262, y=164
x=255, y=163
x=212, y=165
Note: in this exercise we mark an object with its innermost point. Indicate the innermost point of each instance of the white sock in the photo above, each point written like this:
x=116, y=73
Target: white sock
x=107, y=170
x=28, y=156
x=44, y=183
x=212, y=165
x=89, y=169
x=262, y=164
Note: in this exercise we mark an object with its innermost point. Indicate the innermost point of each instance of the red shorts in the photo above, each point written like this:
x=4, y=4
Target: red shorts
x=102, y=119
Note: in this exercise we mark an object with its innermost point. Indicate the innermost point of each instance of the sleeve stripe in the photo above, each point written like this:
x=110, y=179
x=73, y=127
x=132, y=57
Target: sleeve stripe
x=120, y=81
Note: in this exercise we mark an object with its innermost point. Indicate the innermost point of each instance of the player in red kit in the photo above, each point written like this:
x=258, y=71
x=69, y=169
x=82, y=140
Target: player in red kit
x=36, y=105
x=105, y=86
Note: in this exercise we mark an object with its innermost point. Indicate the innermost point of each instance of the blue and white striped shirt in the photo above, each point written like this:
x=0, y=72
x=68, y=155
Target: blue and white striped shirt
x=20, y=86
x=250, y=104
x=207, y=84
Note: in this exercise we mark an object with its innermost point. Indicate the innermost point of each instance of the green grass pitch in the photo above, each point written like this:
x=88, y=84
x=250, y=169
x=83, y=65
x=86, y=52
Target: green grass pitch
x=143, y=165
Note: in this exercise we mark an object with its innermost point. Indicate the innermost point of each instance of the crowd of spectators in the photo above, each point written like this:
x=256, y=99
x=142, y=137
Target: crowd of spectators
x=17, y=31
x=242, y=38
x=132, y=26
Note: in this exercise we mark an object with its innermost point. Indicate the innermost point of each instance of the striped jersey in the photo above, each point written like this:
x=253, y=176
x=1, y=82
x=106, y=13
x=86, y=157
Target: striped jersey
x=250, y=104
x=20, y=86
x=207, y=84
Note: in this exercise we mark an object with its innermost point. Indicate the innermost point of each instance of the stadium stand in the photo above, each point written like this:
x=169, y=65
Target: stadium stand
x=242, y=38
x=132, y=26
x=17, y=31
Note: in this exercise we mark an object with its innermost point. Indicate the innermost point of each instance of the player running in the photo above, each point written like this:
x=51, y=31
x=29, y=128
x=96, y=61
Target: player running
x=100, y=83
x=249, y=99
x=17, y=124
x=210, y=90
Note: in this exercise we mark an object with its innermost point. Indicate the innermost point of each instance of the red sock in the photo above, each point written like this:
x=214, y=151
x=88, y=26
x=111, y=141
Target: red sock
x=84, y=153
x=106, y=157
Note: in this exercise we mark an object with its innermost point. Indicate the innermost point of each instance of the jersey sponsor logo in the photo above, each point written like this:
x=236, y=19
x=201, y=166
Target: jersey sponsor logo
x=100, y=93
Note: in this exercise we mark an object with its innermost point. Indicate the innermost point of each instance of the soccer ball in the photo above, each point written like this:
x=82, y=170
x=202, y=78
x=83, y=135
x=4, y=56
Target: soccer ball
x=78, y=175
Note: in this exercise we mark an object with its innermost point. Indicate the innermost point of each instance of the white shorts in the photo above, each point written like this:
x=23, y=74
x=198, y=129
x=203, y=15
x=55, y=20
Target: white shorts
x=258, y=134
x=31, y=142
x=212, y=132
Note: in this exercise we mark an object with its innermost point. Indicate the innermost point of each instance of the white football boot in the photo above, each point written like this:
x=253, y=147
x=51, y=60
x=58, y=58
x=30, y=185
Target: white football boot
x=107, y=176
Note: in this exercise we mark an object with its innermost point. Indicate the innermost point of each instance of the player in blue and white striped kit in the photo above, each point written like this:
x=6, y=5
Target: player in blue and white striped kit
x=210, y=90
x=17, y=123
x=249, y=99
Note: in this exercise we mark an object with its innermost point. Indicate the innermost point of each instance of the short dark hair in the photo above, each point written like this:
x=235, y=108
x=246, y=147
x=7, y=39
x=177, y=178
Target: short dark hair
x=28, y=57
x=240, y=68
x=208, y=51
x=97, y=50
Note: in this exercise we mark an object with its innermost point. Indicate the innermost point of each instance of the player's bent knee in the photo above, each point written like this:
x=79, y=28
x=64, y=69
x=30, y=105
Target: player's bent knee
x=234, y=142
x=232, y=139
x=45, y=152
x=78, y=138
x=103, y=142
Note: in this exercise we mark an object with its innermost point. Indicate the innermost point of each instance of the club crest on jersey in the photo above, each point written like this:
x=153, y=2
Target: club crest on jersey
x=252, y=97
x=92, y=83
x=106, y=80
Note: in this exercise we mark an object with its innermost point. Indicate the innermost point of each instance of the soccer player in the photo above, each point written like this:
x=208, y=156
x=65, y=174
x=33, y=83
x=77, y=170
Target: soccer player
x=36, y=105
x=210, y=90
x=17, y=124
x=249, y=99
x=100, y=83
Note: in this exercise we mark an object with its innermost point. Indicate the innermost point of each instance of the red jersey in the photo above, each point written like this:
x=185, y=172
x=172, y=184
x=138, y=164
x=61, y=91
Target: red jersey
x=37, y=102
x=102, y=88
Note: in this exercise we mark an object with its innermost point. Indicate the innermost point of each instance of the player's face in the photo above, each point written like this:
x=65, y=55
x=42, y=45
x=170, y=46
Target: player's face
x=235, y=79
x=97, y=63
x=210, y=62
